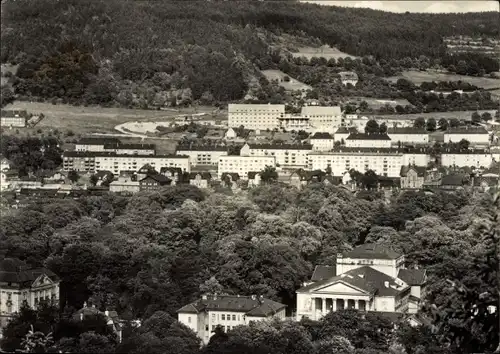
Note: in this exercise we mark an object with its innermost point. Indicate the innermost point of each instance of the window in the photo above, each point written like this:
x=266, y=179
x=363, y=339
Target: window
x=234, y=317
x=189, y=319
x=223, y=317
x=206, y=328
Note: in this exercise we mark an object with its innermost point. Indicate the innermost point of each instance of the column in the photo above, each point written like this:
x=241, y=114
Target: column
x=334, y=304
x=323, y=307
x=356, y=304
x=313, y=301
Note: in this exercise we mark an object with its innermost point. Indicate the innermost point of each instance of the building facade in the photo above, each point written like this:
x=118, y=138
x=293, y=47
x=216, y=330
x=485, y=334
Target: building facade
x=384, y=162
x=244, y=164
x=322, y=141
x=408, y=136
x=97, y=161
x=287, y=155
x=131, y=149
x=21, y=284
x=348, y=77
x=255, y=116
x=321, y=118
x=368, y=278
x=469, y=158
x=13, y=118
x=365, y=140
x=95, y=144
x=201, y=154
x=475, y=136
x=227, y=311
x=200, y=179
x=412, y=177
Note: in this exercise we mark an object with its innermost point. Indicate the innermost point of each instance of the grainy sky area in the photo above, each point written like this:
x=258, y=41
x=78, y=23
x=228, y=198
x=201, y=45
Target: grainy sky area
x=417, y=5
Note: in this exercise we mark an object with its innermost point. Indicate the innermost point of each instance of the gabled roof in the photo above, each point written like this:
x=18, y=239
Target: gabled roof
x=368, y=136
x=194, y=147
x=466, y=130
x=158, y=178
x=345, y=130
x=322, y=272
x=406, y=130
x=204, y=175
x=13, y=270
x=280, y=146
x=251, y=175
x=147, y=168
x=130, y=146
x=454, y=180
x=234, y=176
x=421, y=170
x=373, y=251
x=412, y=276
x=319, y=135
x=98, y=141
x=365, y=279
x=13, y=113
x=172, y=170
x=256, y=306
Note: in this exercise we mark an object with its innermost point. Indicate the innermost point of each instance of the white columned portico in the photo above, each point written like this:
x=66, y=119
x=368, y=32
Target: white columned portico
x=356, y=304
x=323, y=306
x=334, y=304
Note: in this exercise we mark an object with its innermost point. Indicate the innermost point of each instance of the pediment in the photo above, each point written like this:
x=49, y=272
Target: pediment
x=340, y=287
x=42, y=280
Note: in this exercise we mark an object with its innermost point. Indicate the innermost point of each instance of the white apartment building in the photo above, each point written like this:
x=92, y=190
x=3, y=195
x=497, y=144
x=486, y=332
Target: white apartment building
x=322, y=119
x=368, y=278
x=255, y=116
x=475, y=136
x=131, y=149
x=364, y=140
x=103, y=161
x=322, y=141
x=20, y=283
x=416, y=157
x=287, y=155
x=471, y=158
x=384, y=162
x=244, y=164
x=408, y=135
x=13, y=118
x=228, y=311
x=202, y=154
x=95, y=144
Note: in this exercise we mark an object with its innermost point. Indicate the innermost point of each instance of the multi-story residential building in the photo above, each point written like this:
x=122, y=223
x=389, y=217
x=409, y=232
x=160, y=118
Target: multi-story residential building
x=467, y=158
x=365, y=140
x=228, y=311
x=475, y=136
x=21, y=284
x=13, y=118
x=412, y=177
x=255, y=116
x=322, y=141
x=95, y=144
x=131, y=149
x=348, y=77
x=416, y=156
x=287, y=155
x=96, y=161
x=368, y=278
x=408, y=135
x=322, y=119
x=244, y=164
x=384, y=162
x=202, y=154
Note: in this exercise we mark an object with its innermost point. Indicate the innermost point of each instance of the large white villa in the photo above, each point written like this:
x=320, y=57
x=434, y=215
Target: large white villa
x=368, y=278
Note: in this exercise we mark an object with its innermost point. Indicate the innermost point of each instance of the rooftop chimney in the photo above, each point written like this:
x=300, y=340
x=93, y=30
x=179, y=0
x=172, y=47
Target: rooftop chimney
x=386, y=284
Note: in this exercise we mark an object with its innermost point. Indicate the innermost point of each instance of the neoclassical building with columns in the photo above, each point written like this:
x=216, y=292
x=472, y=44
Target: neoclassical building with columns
x=368, y=278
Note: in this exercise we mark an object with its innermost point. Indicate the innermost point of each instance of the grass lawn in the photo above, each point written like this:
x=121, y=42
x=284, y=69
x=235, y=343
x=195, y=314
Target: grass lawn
x=291, y=85
x=417, y=77
x=324, y=51
x=86, y=120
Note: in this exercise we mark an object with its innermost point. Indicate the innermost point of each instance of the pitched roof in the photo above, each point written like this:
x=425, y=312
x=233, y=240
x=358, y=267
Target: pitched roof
x=345, y=130
x=251, y=175
x=91, y=154
x=234, y=176
x=412, y=276
x=320, y=135
x=158, y=178
x=13, y=113
x=280, y=146
x=421, y=170
x=366, y=279
x=322, y=272
x=373, y=251
x=130, y=146
x=466, y=130
x=98, y=141
x=406, y=130
x=368, y=136
x=13, y=270
x=454, y=180
x=194, y=147
x=250, y=306
x=172, y=170
x=348, y=75
x=204, y=175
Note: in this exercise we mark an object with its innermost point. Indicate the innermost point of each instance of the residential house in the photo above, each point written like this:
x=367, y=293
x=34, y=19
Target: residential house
x=367, y=140
x=342, y=133
x=153, y=182
x=14, y=118
x=241, y=165
x=126, y=183
x=230, y=134
x=408, y=135
x=104, y=178
x=322, y=141
x=412, y=177
x=173, y=173
x=454, y=181
x=486, y=181
x=230, y=180
x=254, y=179
x=200, y=179
x=4, y=164
x=300, y=177
x=228, y=311
x=22, y=284
x=111, y=318
x=368, y=278
x=287, y=155
x=348, y=77
x=474, y=135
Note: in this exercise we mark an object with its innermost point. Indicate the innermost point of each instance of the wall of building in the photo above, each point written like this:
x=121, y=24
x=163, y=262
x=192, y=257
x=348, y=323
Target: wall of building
x=369, y=143
x=409, y=138
x=385, y=304
x=386, y=266
x=203, y=157
x=322, y=144
x=474, y=139
x=244, y=164
x=15, y=122
x=255, y=116
x=467, y=160
x=420, y=159
x=284, y=157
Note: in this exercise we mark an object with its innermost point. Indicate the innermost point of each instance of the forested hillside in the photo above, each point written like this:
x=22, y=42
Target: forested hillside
x=155, y=53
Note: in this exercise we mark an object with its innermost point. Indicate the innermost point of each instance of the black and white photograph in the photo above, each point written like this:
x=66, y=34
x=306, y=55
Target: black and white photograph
x=250, y=177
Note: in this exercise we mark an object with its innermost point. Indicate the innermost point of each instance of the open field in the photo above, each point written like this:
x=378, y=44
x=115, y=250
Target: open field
x=87, y=120
x=417, y=77
x=378, y=102
x=436, y=115
x=324, y=51
x=292, y=85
